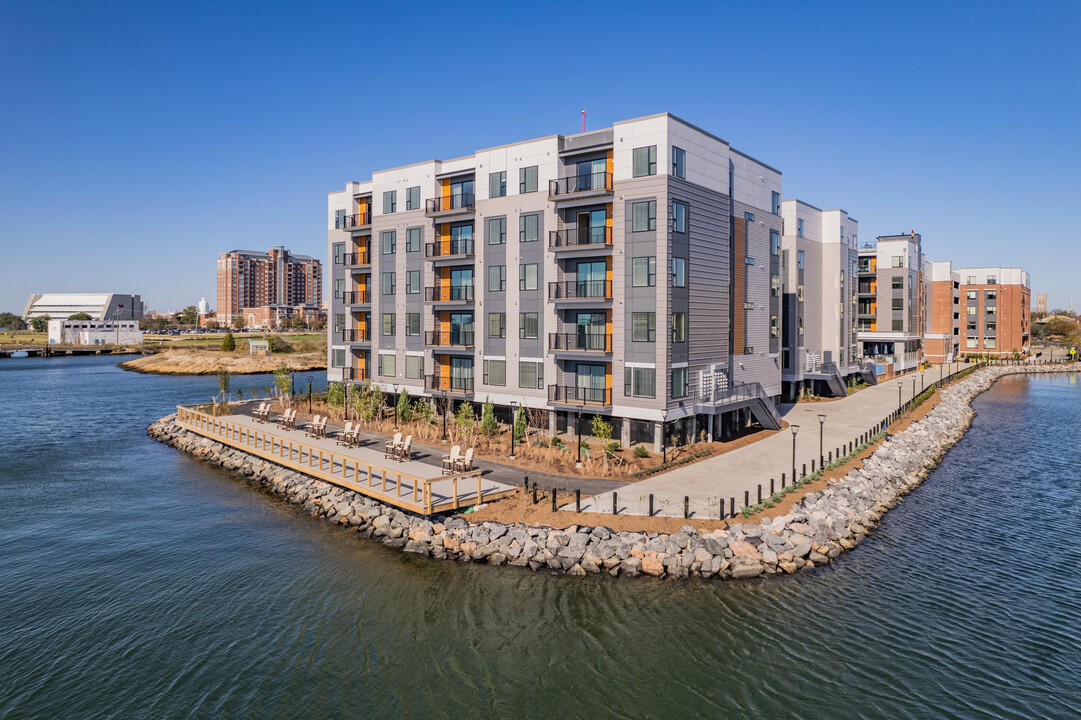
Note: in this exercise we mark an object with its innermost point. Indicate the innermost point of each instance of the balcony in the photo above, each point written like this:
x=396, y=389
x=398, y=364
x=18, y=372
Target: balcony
x=449, y=249
x=592, y=342
x=580, y=186
x=452, y=385
x=579, y=238
x=355, y=374
x=449, y=293
x=356, y=335
x=580, y=290
x=573, y=395
x=353, y=222
x=357, y=259
x=357, y=297
x=451, y=338
x=449, y=205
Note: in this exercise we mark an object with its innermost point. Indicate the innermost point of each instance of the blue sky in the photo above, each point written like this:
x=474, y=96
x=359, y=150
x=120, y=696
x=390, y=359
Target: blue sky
x=138, y=140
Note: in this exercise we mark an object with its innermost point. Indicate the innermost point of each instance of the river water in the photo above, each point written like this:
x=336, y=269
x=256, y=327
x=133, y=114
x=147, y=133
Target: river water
x=136, y=582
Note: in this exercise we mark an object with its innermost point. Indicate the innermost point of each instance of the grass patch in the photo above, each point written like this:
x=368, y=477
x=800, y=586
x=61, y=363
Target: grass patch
x=672, y=464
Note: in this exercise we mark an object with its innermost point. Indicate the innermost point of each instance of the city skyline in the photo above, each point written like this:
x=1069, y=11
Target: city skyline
x=170, y=135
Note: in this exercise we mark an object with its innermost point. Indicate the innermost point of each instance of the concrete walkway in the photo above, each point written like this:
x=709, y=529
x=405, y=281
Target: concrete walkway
x=734, y=473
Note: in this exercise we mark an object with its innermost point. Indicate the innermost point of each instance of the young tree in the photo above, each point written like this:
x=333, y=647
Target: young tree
x=405, y=411
x=189, y=315
x=602, y=430
x=335, y=395
x=520, y=427
x=223, y=384
x=40, y=324
x=238, y=322
x=212, y=325
x=464, y=419
x=80, y=316
x=488, y=424
x=11, y=321
x=283, y=381
x=228, y=344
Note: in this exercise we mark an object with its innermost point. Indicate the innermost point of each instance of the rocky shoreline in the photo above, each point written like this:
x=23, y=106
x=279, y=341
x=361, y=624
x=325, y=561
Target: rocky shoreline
x=820, y=527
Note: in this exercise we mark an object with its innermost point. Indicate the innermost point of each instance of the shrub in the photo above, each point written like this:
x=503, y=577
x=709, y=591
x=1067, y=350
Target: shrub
x=557, y=442
x=537, y=442
x=612, y=447
x=223, y=383
x=405, y=410
x=520, y=425
x=488, y=424
x=335, y=395
x=465, y=418
x=278, y=344
x=229, y=343
x=601, y=430
x=422, y=410
x=283, y=381
x=640, y=451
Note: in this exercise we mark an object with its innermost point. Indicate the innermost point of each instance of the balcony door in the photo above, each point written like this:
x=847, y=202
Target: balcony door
x=461, y=328
x=461, y=374
x=591, y=227
x=461, y=284
x=461, y=194
x=591, y=277
x=589, y=379
x=591, y=174
x=591, y=331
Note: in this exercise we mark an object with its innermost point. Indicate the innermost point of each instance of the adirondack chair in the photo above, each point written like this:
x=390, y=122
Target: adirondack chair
x=391, y=448
x=405, y=450
x=465, y=464
x=312, y=428
x=344, y=433
x=449, y=461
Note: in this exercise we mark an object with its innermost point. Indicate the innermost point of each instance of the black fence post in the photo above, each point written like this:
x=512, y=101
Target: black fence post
x=759, y=493
x=746, y=498
x=782, y=481
x=553, y=499
x=732, y=507
x=615, y=503
x=804, y=470
x=686, y=507
x=577, y=500
x=651, y=504
x=721, y=516
x=534, y=493
x=771, y=490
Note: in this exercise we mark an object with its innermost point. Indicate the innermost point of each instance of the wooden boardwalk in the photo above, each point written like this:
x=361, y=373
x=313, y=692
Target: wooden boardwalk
x=410, y=485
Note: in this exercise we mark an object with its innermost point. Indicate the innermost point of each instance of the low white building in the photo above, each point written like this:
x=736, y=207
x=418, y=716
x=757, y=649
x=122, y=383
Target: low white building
x=94, y=332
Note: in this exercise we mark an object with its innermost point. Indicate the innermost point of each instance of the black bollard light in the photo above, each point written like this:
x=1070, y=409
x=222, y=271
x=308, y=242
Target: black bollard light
x=651, y=504
x=577, y=500
x=686, y=507
x=615, y=503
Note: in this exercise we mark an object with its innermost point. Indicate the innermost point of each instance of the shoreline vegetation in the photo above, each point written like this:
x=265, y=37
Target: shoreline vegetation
x=810, y=532
x=208, y=362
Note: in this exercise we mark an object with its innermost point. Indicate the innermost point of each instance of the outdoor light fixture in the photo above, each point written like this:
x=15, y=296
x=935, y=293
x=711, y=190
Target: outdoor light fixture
x=512, y=412
x=579, y=426
x=821, y=424
x=795, y=429
x=395, y=386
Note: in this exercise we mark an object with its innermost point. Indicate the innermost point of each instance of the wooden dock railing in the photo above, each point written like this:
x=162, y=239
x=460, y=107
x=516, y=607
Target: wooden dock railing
x=422, y=495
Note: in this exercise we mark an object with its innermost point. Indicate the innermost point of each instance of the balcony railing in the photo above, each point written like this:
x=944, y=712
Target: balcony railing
x=353, y=335
x=578, y=237
x=584, y=341
x=580, y=290
x=462, y=201
x=357, y=297
x=448, y=248
x=573, y=395
x=355, y=374
x=357, y=258
x=593, y=182
x=347, y=222
x=449, y=293
x=451, y=338
x=437, y=383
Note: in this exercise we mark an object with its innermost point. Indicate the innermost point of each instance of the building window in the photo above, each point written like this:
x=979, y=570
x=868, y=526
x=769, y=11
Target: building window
x=413, y=364
x=775, y=286
x=388, y=283
x=528, y=228
x=679, y=327
x=386, y=365
x=497, y=231
x=990, y=295
x=679, y=272
x=644, y=271
x=774, y=326
x=339, y=219
x=970, y=280
x=497, y=325
x=412, y=198
x=412, y=324
x=339, y=289
x=898, y=303
x=497, y=278
x=495, y=372
x=527, y=276
x=497, y=184
x=748, y=216
x=989, y=328
x=971, y=328
x=643, y=327
x=898, y=283
x=339, y=359
x=799, y=326
x=528, y=325
x=527, y=179
x=774, y=242
x=339, y=253
x=748, y=350
x=897, y=261
x=989, y=343
x=389, y=240
x=971, y=294
x=992, y=280
x=679, y=217
x=799, y=259
x=898, y=325
x=748, y=261
x=748, y=306
x=679, y=162
x=775, y=203
x=644, y=216
x=679, y=382
x=799, y=293
x=390, y=201
x=645, y=161
x=530, y=375
x=390, y=326
x=412, y=282
x=639, y=382
x=799, y=227
x=412, y=239
x=339, y=322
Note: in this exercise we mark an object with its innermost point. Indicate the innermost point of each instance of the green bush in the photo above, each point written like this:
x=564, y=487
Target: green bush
x=223, y=383
x=228, y=344
x=612, y=447
x=488, y=424
x=537, y=442
x=335, y=395
x=557, y=442
x=278, y=345
x=405, y=410
x=520, y=429
x=422, y=410
x=640, y=451
x=464, y=418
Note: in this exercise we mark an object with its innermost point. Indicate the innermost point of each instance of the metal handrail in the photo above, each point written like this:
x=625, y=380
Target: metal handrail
x=577, y=237
x=452, y=384
x=448, y=248
x=574, y=395
x=593, y=182
x=356, y=335
x=357, y=297
x=579, y=289
x=449, y=293
x=585, y=341
x=451, y=338
x=460, y=201
x=357, y=258
x=352, y=221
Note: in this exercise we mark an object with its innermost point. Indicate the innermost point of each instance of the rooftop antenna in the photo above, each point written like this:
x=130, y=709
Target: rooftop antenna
x=583, y=120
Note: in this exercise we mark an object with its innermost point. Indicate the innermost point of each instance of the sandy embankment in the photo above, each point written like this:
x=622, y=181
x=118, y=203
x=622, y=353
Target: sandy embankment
x=207, y=362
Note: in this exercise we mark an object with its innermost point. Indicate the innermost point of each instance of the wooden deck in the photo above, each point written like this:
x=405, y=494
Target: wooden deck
x=410, y=485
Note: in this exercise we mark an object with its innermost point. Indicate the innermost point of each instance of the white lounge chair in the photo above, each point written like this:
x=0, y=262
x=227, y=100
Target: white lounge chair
x=312, y=428
x=465, y=464
x=344, y=433
x=449, y=461
x=405, y=450
x=391, y=448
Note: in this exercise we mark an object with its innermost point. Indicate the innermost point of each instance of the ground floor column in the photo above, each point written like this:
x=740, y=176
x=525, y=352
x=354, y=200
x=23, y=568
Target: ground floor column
x=552, y=424
x=625, y=432
x=658, y=436
x=709, y=427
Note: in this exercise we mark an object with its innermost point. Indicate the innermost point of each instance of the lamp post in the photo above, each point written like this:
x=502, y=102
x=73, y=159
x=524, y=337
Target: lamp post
x=395, y=386
x=578, y=424
x=795, y=429
x=914, y=386
x=900, y=384
x=512, y=438
x=821, y=456
x=664, y=438
x=444, y=392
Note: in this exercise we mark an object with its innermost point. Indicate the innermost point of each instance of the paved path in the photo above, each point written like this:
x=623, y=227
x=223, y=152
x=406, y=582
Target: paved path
x=730, y=475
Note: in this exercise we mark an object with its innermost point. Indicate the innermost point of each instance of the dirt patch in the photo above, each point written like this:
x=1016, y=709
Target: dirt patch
x=208, y=362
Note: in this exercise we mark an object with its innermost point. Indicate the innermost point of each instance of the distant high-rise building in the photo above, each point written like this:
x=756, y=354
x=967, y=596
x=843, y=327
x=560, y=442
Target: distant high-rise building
x=277, y=279
x=1041, y=302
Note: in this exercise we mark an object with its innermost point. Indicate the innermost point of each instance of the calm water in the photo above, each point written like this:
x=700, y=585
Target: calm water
x=136, y=582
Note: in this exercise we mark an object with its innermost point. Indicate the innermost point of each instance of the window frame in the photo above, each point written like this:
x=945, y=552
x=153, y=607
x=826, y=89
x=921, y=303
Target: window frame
x=390, y=200
x=650, y=326
x=679, y=162
x=497, y=182
x=412, y=198
x=650, y=270
x=650, y=215
x=524, y=178
x=648, y=161
x=680, y=213
x=523, y=277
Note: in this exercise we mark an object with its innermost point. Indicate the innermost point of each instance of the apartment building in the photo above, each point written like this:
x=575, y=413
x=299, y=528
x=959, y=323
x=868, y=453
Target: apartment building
x=818, y=277
x=263, y=287
x=891, y=297
x=630, y=271
x=942, y=325
x=997, y=319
